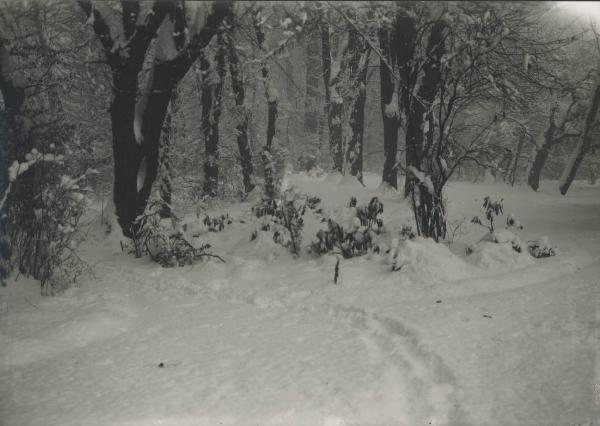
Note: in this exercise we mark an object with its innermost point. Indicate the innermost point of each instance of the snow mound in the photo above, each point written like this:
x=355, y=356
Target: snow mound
x=350, y=181
x=333, y=178
x=499, y=256
x=262, y=247
x=424, y=260
x=387, y=191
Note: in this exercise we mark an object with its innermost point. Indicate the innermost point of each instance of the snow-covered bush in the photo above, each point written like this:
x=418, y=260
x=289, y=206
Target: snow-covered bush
x=422, y=259
x=541, y=248
x=216, y=224
x=284, y=217
x=45, y=225
x=357, y=237
x=306, y=162
x=493, y=209
x=165, y=244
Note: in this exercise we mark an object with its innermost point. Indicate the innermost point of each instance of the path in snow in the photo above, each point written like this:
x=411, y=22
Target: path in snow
x=269, y=340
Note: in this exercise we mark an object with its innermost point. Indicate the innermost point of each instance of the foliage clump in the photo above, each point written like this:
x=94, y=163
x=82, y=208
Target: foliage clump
x=358, y=238
x=45, y=224
x=217, y=224
x=165, y=245
x=541, y=248
x=283, y=216
x=493, y=209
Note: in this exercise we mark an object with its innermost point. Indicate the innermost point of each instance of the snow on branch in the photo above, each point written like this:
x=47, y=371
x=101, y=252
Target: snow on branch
x=18, y=168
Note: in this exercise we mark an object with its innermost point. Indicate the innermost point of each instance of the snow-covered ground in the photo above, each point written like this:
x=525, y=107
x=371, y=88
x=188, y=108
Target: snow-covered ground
x=266, y=339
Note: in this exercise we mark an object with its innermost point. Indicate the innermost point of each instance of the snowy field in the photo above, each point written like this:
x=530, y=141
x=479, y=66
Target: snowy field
x=494, y=338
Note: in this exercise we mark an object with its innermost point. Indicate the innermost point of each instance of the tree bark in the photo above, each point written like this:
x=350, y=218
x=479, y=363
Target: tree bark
x=237, y=83
x=358, y=70
x=167, y=137
x=404, y=36
x=428, y=206
x=311, y=101
x=212, y=94
x=420, y=111
x=515, y=166
x=333, y=101
x=541, y=155
x=272, y=101
x=12, y=135
x=389, y=96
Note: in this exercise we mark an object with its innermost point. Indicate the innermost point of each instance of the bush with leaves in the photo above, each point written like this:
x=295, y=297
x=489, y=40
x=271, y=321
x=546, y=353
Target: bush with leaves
x=493, y=209
x=541, y=248
x=217, y=224
x=284, y=217
x=358, y=239
x=164, y=244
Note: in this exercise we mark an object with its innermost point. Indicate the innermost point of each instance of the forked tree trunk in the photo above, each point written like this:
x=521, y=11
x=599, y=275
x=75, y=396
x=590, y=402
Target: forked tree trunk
x=127, y=152
x=136, y=164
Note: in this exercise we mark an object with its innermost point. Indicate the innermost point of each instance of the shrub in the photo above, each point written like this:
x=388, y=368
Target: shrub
x=164, y=245
x=44, y=215
x=355, y=241
x=492, y=210
x=284, y=217
x=217, y=224
x=541, y=248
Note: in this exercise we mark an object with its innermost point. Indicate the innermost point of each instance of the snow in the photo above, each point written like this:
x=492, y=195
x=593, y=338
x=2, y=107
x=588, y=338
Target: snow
x=141, y=175
x=495, y=337
x=391, y=109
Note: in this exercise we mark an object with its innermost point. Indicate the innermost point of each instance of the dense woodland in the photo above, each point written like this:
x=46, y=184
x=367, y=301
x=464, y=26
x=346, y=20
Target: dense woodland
x=154, y=108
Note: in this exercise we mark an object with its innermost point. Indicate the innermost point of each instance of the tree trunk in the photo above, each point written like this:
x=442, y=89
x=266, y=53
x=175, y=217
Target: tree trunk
x=127, y=152
x=12, y=135
x=430, y=213
x=311, y=101
x=358, y=70
x=390, y=114
x=212, y=93
x=404, y=36
x=430, y=210
x=334, y=102
x=513, y=172
x=136, y=165
x=237, y=83
x=415, y=135
x=585, y=141
x=272, y=101
x=533, y=178
x=167, y=137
